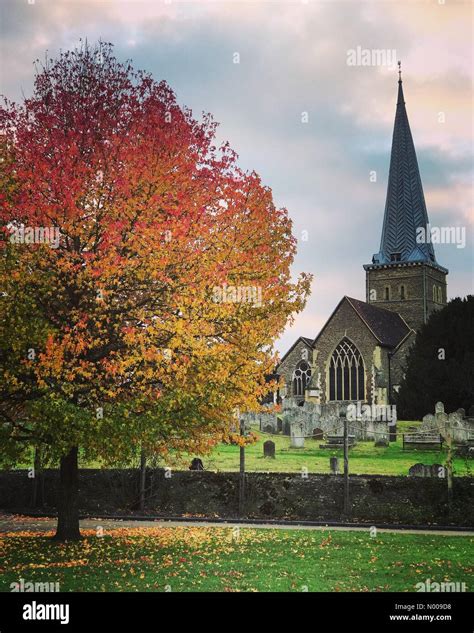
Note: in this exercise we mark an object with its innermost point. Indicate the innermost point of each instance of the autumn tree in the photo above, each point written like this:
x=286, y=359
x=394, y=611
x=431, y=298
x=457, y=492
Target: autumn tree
x=145, y=276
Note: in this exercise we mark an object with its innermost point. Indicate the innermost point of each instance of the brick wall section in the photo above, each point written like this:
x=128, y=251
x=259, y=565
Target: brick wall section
x=269, y=496
x=418, y=281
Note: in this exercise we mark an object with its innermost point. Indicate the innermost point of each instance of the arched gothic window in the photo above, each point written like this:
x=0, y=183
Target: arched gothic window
x=301, y=377
x=346, y=373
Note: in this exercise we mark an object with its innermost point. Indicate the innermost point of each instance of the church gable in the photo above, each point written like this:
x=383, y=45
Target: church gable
x=344, y=354
x=344, y=323
x=295, y=368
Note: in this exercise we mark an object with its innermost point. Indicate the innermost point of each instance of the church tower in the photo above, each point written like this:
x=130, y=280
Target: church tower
x=404, y=275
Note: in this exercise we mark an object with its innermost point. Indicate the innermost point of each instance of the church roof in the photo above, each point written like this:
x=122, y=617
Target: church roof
x=405, y=208
x=388, y=327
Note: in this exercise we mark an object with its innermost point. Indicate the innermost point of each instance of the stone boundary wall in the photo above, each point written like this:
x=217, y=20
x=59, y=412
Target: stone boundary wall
x=390, y=499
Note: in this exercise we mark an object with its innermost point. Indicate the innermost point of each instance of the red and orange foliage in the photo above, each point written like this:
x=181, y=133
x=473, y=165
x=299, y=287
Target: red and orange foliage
x=121, y=316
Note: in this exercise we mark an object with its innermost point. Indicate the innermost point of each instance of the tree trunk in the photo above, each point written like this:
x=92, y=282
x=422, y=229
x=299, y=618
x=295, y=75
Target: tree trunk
x=68, y=502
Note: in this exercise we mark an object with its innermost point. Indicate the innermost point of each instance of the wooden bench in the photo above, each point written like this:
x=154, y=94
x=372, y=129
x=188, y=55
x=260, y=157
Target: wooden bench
x=337, y=441
x=424, y=441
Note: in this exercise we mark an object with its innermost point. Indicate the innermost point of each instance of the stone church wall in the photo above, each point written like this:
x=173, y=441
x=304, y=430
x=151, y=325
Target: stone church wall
x=301, y=351
x=410, y=500
x=411, y=308
x=345, y=322
x=397, y=366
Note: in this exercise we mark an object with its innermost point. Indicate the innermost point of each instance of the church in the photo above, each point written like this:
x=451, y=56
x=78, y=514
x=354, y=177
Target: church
x=359, y=354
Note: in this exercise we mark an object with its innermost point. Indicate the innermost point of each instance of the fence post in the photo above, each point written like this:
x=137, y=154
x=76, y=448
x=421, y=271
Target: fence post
x=142, y=479
x=347, y=502
x=242, y=471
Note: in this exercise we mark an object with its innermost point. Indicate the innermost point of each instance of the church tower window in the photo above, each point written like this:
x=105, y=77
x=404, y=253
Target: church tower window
x=435, y=294
x=387, y=293
x=346, y=373
x=402, y=293
x=301, y=378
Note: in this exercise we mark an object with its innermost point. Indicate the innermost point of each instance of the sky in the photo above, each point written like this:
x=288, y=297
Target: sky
x=278, y=78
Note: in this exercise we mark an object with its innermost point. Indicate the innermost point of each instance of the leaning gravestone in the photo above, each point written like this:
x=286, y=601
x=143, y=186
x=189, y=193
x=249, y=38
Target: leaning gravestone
x=438, y=470
x=334, y=465
x=418, y=470
x=424, y=470
x=269, y=449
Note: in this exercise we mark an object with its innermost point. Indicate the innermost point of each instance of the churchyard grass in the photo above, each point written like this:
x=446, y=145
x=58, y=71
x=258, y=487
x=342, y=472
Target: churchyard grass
x=364, y=458
x=231, y=559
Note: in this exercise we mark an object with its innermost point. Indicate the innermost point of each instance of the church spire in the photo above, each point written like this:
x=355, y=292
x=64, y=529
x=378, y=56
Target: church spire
x=405, y=209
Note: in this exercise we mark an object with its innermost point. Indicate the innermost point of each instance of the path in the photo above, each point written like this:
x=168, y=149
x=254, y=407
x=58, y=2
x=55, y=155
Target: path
x=18, y=523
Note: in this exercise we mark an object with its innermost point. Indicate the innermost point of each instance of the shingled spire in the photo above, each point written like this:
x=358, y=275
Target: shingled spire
x=405, y=208
x=404, y=275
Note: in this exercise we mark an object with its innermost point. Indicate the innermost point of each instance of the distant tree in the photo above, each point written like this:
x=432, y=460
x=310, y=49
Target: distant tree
x=153, y=315
x=440, y=365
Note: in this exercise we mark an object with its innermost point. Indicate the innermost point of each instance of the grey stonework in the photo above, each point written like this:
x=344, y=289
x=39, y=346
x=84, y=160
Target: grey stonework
x=418, y=281
x=346, y=323
x=302, y=421
x=410, y=500
x=457, y=424
x=301, y=351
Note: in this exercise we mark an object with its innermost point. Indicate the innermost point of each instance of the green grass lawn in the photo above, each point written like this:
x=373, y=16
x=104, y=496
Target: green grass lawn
x=364, y=458
x=217, y=559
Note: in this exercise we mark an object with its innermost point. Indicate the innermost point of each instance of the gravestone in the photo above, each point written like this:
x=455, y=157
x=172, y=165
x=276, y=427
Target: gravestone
x=381, y=442
x=279, y=425
x=417, y=470
x=269, y=449
x=334, y=465
x=439, y=407
x=297, y=434
x=392, y=434
x=268, y=428
x=318, y=434
x=438, y=470
x=430, y=470
x=196, y=464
